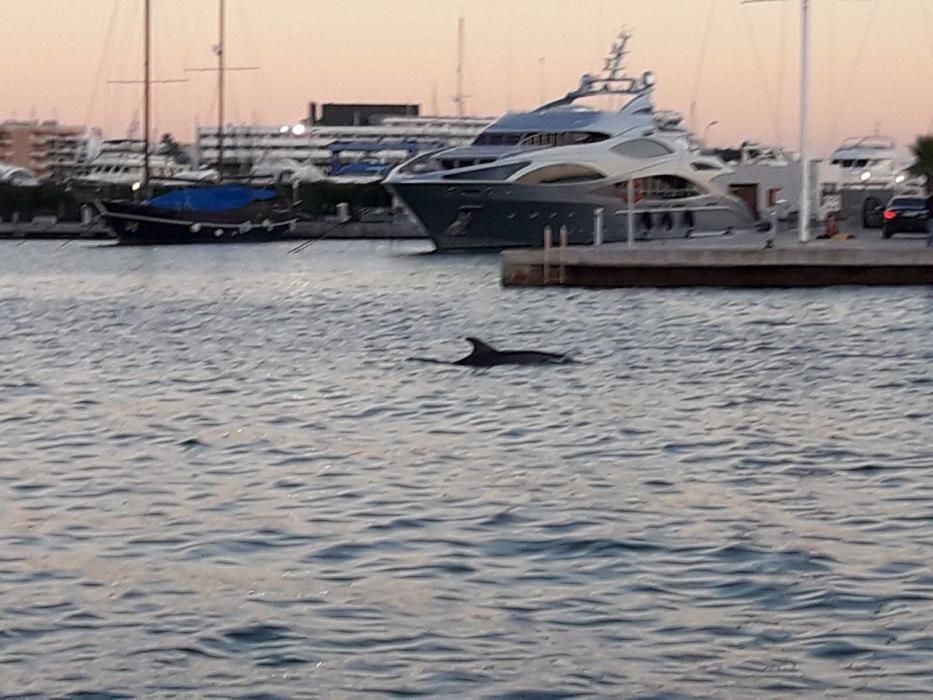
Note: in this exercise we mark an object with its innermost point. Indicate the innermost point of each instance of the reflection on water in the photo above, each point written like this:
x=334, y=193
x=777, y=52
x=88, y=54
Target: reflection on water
x=219, y=475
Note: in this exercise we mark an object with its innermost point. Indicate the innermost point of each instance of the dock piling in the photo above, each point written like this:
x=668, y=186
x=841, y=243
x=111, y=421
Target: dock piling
x=564, y=239
x=598, y=226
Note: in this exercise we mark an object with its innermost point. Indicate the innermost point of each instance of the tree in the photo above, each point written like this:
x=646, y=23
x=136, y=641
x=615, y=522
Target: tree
x=923, y=166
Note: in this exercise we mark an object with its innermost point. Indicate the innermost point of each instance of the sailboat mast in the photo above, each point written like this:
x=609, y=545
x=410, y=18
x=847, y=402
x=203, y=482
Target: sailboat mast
x=147, y=80
x=804, y=224
x=460, y=99
x=221, y=47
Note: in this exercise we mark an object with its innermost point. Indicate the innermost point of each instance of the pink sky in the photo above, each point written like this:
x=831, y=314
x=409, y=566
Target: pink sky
x=873, y=59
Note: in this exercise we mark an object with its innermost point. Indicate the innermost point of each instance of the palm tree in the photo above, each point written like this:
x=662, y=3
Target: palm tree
x=923, y=166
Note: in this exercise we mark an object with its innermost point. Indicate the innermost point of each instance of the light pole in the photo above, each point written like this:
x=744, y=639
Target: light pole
x=804, y=223
x=804, y=210
x=707, y=128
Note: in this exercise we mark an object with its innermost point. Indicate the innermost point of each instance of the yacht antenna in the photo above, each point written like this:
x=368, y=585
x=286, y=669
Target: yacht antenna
x=612, y=81
x=615, y=63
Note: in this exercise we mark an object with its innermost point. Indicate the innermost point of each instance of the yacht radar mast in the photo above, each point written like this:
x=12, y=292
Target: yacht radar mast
x=612, y=81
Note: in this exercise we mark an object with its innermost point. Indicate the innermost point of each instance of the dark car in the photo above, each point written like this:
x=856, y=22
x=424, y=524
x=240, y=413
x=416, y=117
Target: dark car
x=905, y=215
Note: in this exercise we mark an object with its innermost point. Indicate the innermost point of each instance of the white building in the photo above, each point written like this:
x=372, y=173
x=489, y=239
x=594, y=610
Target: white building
x=391, y=141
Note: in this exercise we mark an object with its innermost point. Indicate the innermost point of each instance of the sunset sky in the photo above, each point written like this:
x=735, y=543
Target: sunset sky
x=873, y=59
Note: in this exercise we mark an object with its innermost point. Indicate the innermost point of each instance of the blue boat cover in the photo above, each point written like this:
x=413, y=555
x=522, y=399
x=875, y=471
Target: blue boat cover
x=361, y=169
x=219, y=198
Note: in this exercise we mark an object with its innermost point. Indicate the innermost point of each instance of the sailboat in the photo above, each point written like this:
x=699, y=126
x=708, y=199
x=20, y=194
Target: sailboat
x=223, y=213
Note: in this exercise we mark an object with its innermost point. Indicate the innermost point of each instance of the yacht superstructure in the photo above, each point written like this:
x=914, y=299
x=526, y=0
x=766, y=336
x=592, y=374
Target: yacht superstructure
x=860, y=176
x=122, y=162
x=566, y=164
x=865, y=160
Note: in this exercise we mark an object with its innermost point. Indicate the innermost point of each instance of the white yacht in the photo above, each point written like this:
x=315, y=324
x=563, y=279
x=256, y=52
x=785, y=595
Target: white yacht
x=866, y=160
x=861, y=175
x=120, y=162
x=565, y=164
x=16, y=176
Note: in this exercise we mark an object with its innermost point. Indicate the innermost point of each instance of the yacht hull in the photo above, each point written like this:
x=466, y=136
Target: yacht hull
x=139, y=224
x=497, y=216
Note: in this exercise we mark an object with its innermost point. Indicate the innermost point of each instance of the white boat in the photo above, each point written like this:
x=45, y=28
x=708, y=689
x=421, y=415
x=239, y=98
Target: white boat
x=566, y=166
x=122, y=162
x=866, y=160
x=17, y=176
x=861, y=175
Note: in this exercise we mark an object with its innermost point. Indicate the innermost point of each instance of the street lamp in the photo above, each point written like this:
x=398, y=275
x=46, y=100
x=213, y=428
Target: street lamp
x=707, y=128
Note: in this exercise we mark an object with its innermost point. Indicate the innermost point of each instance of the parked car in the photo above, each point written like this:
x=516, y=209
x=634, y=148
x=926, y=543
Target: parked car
x=905, y=215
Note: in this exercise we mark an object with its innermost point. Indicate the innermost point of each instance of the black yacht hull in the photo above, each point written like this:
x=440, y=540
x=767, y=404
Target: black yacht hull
x=141, y=224
x=487, y=217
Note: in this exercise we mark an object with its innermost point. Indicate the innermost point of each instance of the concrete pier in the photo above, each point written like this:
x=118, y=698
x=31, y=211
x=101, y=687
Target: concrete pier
x=742, y=260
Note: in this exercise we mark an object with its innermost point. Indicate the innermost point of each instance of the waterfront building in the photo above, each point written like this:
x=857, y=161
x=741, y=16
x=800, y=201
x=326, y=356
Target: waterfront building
x=46, y=148
x=386, y=139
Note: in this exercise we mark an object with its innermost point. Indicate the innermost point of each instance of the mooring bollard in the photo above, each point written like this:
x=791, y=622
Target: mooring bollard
x=598, y=226
x=548, y=238
x=772, y=235
x=343, y=213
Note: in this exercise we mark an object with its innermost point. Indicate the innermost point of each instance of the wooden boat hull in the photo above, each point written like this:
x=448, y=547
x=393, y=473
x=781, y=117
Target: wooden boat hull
x=141, y=224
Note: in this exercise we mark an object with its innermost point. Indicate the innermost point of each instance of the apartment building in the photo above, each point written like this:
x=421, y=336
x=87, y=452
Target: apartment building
x=46, y=148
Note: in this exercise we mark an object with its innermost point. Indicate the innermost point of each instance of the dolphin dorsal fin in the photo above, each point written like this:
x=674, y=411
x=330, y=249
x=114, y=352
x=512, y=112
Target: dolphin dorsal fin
x=481, y=348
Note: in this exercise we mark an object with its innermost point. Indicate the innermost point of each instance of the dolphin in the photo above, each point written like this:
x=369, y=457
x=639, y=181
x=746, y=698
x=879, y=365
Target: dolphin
x=484, y=355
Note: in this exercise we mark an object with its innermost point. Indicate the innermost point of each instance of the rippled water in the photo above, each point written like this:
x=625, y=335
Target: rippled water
x=219, y=476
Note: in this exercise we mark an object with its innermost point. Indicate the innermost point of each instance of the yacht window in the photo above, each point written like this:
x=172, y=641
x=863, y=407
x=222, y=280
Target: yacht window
x=499, y=172
x=700, y=165
x=642, y=148
x=497, y=139
x=561, y=175
x=658, y=188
